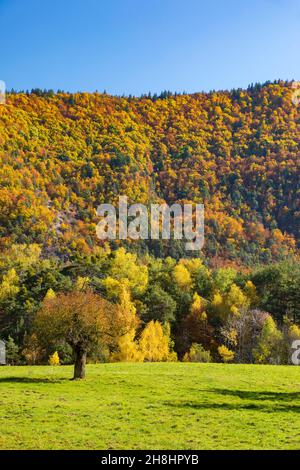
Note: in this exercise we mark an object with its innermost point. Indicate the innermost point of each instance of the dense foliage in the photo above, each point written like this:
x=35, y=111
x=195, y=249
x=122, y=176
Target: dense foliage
x=238, y=152
x=63, y=154
x=114, y=306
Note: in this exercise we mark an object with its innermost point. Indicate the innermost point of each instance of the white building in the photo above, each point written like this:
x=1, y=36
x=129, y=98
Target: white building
x=2, y=353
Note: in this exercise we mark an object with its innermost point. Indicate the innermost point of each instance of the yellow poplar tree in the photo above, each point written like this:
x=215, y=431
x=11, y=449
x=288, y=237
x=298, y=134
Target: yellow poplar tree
x=128, y=349
x=154, y=344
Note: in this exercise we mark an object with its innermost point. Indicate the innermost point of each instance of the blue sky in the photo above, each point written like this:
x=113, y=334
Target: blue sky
x=133, y=46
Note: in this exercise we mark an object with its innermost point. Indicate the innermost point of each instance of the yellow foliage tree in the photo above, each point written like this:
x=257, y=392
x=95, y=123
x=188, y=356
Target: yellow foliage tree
x=182, y=277
x=54, y=359
x=229, y=303
x=125, y=268
x=198, y=306
x=128, y=349
x=294, y=332
x=251, y=293
x=114, y=287
x=82, y=283
x=226, y=354
x=269, y=347
x=23, y=255
x=9, y=285
x=154, y=343
x=50, y=294
x=236, y=299
x=217, y=304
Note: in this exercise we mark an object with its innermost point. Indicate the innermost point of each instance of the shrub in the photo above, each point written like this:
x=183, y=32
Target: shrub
x=197, y=353
x=54, y=359
x=12, y=352
x=226, y=354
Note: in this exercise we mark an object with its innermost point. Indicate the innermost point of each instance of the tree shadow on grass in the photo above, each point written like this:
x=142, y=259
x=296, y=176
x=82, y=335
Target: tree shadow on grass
x=31, y=380
x=258, y=395
x=251, y=400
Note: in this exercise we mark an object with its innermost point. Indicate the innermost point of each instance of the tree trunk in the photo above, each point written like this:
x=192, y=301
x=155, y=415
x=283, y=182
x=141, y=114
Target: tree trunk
x=80, y=361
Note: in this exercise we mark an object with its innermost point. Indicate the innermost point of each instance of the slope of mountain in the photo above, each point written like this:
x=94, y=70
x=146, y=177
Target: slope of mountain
x=237, y=152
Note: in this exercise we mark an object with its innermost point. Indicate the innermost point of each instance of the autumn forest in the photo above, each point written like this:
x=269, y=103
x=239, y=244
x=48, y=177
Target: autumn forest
x=63, y=154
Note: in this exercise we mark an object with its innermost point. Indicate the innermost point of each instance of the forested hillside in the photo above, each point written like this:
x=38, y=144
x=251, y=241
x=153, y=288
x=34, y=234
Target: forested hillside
x=237, y=152
x=64, y=154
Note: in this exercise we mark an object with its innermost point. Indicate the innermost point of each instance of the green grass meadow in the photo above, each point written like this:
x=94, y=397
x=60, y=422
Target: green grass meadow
x=151, y=406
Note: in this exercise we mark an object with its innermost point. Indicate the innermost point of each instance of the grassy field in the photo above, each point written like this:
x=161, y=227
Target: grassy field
x=151, y=406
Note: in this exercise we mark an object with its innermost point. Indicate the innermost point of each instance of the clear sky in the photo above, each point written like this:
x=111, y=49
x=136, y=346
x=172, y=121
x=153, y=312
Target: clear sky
x=136, y=46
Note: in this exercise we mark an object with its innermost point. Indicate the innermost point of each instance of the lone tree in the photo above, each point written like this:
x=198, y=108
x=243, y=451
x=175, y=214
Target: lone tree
x=84, y=320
